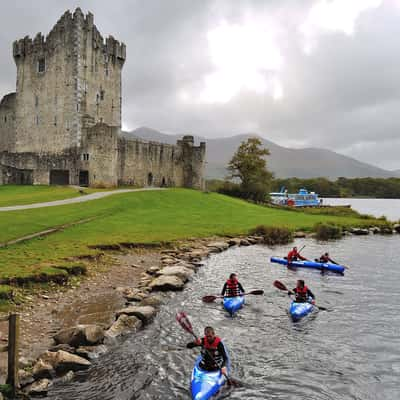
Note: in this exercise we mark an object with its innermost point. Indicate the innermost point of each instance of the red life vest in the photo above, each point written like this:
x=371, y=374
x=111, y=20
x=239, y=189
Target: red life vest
x=324, y=258
x=213, y=345
x=232, y=287
x=210, y=354
x=301, y=293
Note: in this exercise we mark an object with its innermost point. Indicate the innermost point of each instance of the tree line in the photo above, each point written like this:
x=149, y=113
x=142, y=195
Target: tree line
x=250, y=179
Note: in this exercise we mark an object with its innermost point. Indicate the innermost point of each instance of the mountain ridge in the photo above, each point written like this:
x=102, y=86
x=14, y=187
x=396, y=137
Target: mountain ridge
x=309, y=162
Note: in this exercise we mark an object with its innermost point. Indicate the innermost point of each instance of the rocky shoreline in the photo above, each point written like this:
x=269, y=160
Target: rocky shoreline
x=132, y=292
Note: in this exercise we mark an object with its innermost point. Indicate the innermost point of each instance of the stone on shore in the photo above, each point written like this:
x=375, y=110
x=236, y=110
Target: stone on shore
x=80, y=335
x=62, y=362
x=25, y=378
x=144, y=313
x=38, y=388
x=396, y=227
x=244, y=242
x=180, y=271
x=123, y=325
x=153, y=300
x=166, y=282
x=234, y=242
x=359, y=231
x=43, y=369
x=91, y=352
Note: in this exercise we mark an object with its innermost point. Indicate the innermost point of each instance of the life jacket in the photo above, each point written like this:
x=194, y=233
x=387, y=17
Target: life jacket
x=301, y=293
x=210, y=354
x=232, y=287
x=324, y=259
x=292, y=255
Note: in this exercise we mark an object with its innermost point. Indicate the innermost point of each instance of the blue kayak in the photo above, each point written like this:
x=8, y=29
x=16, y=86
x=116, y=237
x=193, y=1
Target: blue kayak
x=300, y=310
x=311, y=264
x=233, y=304
x=206, y=385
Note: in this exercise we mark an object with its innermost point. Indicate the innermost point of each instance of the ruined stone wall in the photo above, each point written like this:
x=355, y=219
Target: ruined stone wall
x=61, y=80
x=148, y=163
x=7, y=123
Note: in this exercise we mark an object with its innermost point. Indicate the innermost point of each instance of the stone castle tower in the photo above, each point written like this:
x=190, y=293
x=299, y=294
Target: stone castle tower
x=63, y=123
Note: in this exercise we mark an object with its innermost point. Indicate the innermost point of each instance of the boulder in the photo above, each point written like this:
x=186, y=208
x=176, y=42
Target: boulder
x=132, y=294
x=80, y=335
x=387, y=230
x=299, y=235
x=43, y=369
x=244, y=242
x=234, y=242
x=61, y=361
x=123, y=325
x=166, y=282
x=153, y=270
x=63, y=346
x=153, y=300
x=396, y=227
x=180, y=271
x=359, y=231
x=219, y=245
x=144, y=313
x=25, y=378
x=68, y=377
x=375, y=230
x=38, y=388
x=91, y=352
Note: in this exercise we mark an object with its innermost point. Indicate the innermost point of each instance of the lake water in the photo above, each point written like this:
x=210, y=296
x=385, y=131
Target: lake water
x=376, y=207
x=350, y=353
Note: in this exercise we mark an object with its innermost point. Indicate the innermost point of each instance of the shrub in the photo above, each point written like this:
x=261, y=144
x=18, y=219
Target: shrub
x=327, y=231
x=273, y=235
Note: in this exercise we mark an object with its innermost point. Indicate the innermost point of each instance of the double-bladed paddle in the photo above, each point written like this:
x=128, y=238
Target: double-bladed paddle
x=184, y=322
x=279, y=285
x=210, y=298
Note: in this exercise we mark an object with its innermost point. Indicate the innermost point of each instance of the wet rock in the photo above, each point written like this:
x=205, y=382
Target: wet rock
x=153, y=270
x=154, y=301
x=43, y=369
x=144, y=313
x=359, y=231
x=169, y=261
x=123, y=325
x=38, y=388
x=244, y=242
x=61, y=361
x=396, y=227
x=299, y=235
x=386, y=230
x=63, y=346
x=25, y=378
x=375, y=230
x=180, y=271
x=166, y=282
x=91, y=352
x=132, y=294
x=24, y=362
x=80, y=335
x=234, y=242
x=68, y=377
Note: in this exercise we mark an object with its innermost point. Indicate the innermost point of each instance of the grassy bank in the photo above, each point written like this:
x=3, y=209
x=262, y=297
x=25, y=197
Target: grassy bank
x=14, y=195
x=137, y=217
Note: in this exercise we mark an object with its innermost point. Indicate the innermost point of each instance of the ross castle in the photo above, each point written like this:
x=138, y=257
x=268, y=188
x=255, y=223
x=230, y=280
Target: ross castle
x=63, y=123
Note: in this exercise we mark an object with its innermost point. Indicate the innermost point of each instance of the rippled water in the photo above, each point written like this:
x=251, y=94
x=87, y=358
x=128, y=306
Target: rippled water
x=352, y=352
x=376, y=207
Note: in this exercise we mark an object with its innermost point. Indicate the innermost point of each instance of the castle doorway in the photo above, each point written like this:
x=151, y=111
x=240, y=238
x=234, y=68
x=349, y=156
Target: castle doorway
x=163, y=183
x=83, y=178
x=150, y=179
x=59, y=177
x=24, y=177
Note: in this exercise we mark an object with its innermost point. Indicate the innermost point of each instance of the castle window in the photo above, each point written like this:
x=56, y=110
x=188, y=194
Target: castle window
x=55, y=120
x=41, y=65
x=36, y=101
x=102, y=94
x=5, y=118
x=85, y=157
x=55, y=99
x=97, y=98
x=37, y=119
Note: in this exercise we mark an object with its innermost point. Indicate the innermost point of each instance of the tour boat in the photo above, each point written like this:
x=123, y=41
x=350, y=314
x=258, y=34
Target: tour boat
x=301, y=199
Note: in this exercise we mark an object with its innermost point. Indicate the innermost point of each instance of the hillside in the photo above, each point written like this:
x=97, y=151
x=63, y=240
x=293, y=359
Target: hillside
x=284, y=162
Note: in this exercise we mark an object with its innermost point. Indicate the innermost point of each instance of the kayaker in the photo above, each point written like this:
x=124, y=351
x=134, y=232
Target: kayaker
x=213, y=355
x=325, y=258
x=232, y=287
x=302, y=292
x=294, y=255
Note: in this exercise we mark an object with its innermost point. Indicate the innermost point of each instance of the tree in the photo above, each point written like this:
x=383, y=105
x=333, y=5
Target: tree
x=249, y=165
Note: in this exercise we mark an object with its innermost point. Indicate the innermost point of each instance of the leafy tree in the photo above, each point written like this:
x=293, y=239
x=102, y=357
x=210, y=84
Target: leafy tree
x=248, y=165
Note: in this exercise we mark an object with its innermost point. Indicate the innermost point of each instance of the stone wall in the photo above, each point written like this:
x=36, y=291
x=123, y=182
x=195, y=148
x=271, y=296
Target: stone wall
x=7, y=123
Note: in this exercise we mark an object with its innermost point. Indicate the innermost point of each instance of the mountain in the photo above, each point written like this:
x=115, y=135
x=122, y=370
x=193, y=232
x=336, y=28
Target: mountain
x=284, y=162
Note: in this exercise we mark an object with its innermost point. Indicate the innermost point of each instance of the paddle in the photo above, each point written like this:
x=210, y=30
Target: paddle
x=279, y=285
x=210, y=298
x=184, y=322
x=318, y=260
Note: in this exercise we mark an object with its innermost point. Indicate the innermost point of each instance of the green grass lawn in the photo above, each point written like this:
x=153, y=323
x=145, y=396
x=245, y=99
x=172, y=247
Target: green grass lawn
x=149, y=216
x=14, y=195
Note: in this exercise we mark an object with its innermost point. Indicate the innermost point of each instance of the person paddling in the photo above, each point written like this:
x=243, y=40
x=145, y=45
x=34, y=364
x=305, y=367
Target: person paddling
x=294, y=255
x=213, y=354
x=232, y=287
x=302, y=292
x=325, y=258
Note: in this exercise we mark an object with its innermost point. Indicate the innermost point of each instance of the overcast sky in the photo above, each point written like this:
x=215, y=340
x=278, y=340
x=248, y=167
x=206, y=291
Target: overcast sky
x=302, y=73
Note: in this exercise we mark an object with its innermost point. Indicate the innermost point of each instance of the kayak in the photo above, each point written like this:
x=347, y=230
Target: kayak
x=233, y=304
x=311, y=264
x=206, y=385
x=300, y=310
